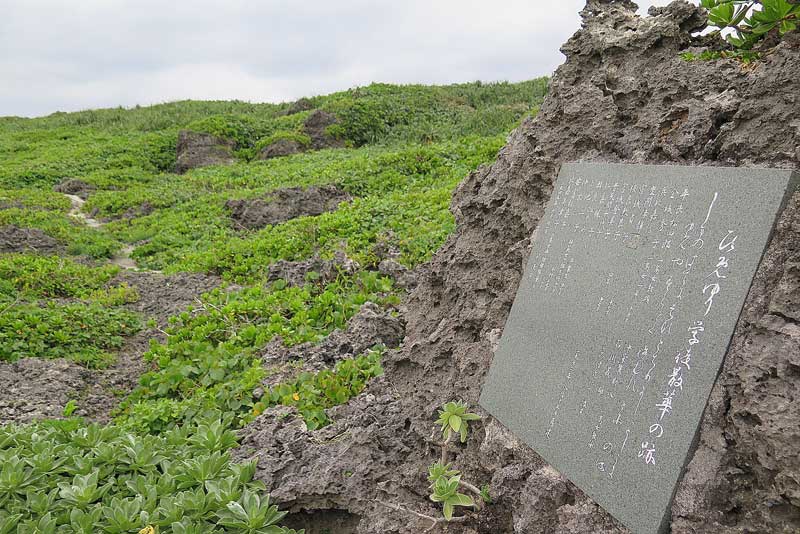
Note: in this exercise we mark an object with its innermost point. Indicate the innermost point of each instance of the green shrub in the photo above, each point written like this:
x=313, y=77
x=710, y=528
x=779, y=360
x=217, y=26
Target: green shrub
x=298, y=137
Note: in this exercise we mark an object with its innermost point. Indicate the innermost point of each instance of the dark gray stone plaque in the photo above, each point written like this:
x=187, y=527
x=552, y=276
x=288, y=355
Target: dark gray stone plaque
x=628, y=303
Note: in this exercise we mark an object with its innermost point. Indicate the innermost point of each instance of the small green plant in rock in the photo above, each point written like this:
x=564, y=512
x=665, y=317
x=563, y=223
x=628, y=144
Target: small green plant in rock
x=446, y=482
x=454, y=417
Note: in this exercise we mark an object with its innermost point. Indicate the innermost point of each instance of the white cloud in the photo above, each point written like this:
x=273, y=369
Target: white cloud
x=67, y=56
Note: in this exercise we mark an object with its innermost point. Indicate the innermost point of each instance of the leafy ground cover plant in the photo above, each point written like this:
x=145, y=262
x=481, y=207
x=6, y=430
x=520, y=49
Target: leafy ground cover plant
x=313, y=393
x=209, y=362
x=85, y=333
x=72, y=478
x=35, y=276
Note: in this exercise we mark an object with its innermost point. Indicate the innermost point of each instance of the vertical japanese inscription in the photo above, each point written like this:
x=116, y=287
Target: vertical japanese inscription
x=623, y=316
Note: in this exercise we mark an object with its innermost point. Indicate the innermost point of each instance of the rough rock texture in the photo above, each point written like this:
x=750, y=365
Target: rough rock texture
x=299, y=105
x=297, y=273
x=162, y=296
x=281, y=147
x=403, y=277
x=316, y=126
x=16, y=239
x=623, y=95
x=369, y=327
x=34, y=388
x=285, y=204
x=197, y=149
x=75, y=187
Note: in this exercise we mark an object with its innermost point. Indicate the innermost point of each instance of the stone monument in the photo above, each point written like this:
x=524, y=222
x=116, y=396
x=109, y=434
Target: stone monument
x=629, y=300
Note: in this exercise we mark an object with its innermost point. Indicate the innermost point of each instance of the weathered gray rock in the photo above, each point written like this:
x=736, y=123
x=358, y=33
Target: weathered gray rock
x=316, y=127
x=623, y=95
x=282, y=205
x=312, y=270
x=197, y=149
x=72, y=186
x=281, y=147
x=300, y=105
x=16, y=239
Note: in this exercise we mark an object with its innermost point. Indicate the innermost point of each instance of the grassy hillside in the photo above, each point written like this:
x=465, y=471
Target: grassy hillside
x=162, y=460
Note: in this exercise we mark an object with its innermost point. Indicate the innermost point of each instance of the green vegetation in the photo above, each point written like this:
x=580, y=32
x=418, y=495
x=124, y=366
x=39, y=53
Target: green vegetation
x=208, y=362
x=83, y=325
x=298, y=137
x=162, y=464
x=67, y=477
x=80, y=332
x=748, y=22
x=311, y=393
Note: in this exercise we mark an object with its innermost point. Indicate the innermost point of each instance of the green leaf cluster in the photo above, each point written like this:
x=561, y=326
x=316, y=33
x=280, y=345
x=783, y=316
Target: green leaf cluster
x=67, y=477
x=453, y=417
x=81, y=332
x=445, y=491
x=750, y=21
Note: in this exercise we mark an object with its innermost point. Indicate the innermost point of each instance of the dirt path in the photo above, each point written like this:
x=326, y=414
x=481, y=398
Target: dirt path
x=123, y=257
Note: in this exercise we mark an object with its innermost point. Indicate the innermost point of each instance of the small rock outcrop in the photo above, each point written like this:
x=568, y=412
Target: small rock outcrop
x=197, y=149
x=75, y=187
x=16, y=239
x=316, y=270
x=371, y=326
x=316, y=127
x=623, y=95
x=300, y=105
x=285, y=204
x=281, y=147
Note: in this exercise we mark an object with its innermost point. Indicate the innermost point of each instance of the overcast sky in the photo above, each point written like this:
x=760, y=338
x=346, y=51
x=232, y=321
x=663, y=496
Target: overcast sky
x=59, y=55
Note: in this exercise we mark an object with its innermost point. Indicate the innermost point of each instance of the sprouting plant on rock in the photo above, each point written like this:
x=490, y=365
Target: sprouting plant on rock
x=447, y=484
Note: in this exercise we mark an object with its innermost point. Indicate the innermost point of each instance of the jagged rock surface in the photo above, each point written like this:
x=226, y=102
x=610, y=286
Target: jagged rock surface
x=315, y=269
x=16, y=239
x=300, y=105
x=75, y=187
x=197, y=149
x=281, y=147
x=623, y=95
x=285, y=204
x=316, y=127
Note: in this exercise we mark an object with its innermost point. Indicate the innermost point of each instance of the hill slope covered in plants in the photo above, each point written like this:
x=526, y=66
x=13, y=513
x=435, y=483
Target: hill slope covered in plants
x=145, y=315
